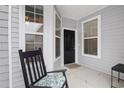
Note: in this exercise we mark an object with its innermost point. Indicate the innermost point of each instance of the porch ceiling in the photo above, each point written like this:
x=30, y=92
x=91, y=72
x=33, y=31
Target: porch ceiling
x=77, y=11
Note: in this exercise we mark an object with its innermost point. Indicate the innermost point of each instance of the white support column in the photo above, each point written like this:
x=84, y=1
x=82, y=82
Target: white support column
x=9, y=47
x=48, y=39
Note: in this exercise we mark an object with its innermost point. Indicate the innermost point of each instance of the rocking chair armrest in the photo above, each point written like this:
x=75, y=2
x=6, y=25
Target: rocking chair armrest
x=57, y=71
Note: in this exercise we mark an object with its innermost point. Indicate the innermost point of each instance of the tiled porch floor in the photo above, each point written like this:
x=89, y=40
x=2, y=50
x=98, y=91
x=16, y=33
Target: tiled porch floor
x=83, y=77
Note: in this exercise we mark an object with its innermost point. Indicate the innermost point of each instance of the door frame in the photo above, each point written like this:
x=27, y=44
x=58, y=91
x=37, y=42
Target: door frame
x=62, y=48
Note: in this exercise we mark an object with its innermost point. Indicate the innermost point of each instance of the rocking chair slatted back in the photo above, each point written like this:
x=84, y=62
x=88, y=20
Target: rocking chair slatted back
x=33, y=66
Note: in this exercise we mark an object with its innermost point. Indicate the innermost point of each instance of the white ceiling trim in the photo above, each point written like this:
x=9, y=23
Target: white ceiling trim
x=76, y=12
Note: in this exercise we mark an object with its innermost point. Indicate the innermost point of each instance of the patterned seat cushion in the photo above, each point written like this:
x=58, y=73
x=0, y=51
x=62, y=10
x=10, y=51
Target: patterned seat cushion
x=55, y=80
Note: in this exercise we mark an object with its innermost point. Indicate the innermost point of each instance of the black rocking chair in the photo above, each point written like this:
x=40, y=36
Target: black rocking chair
x=35, y=74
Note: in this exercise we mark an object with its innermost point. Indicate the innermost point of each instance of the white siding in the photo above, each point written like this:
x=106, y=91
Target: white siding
x=4, y=67
x=17, y=79
x=69, y=23
x=112, y=39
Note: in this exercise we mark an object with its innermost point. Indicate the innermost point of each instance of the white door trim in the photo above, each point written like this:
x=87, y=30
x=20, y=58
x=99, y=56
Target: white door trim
x=62, y=48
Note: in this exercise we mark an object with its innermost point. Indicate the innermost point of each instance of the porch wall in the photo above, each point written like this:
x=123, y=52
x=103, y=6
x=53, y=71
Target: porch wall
x=4, y=63
x=69, y=23
x=17, y=78
x=112, y=39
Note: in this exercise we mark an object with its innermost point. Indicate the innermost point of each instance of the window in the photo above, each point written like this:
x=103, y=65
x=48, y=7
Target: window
x=33, y=27
x=57, y=35
x=33, y=41
x=91, y=37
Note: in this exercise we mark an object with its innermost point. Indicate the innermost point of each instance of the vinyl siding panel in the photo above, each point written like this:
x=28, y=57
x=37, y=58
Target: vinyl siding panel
x=4, y=83
x=4, y=47
x=4, y=76
x=4, y=80
x=69, y=23
x=4, y=63
x=3, y=54
x=4, y=8
x=112, y=38
x=3, y=23
x=3, y=16
x=17, y=79
x=3, y=31
x=4, y=69
x=3, y=38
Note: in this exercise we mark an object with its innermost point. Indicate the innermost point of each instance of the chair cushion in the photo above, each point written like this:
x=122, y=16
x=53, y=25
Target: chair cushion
x=55, y=80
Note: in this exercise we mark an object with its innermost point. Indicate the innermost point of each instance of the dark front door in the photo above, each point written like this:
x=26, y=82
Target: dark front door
x=69, y=46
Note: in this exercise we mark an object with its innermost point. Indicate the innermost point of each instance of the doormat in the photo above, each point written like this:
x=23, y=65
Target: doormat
x=73, y=66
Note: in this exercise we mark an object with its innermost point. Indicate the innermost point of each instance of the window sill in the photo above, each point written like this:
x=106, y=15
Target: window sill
x=91, y=56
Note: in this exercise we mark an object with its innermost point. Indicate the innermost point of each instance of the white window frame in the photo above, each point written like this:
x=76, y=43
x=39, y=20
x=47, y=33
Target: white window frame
x=55, y=36
x=98, y=37
x=23, y=32
x=30, y=32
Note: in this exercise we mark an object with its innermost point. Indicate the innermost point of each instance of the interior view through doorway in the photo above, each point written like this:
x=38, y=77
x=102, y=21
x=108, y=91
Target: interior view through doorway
x=69, y=46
